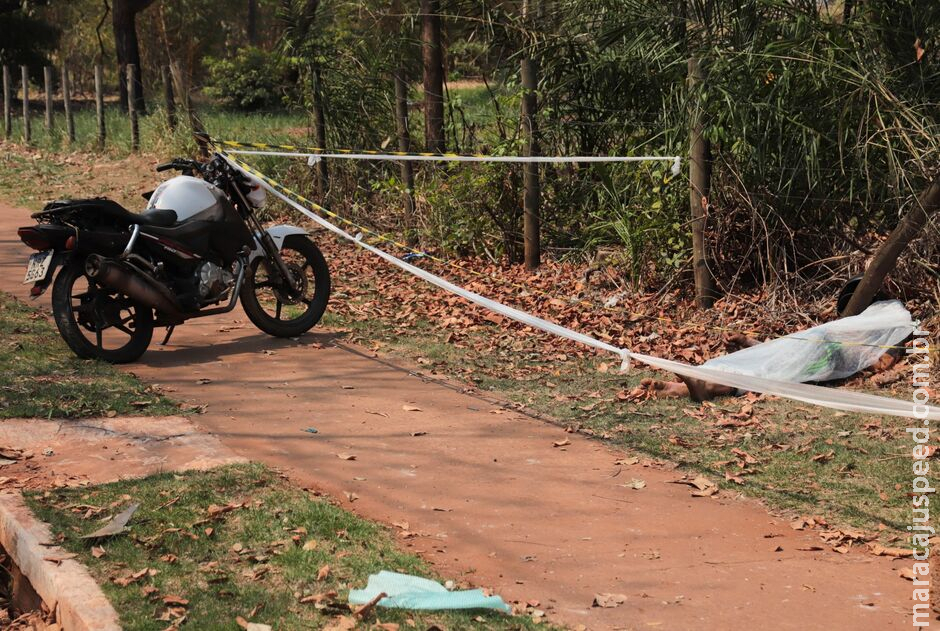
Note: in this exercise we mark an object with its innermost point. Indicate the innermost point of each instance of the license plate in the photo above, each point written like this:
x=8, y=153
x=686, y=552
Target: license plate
x=37, y=267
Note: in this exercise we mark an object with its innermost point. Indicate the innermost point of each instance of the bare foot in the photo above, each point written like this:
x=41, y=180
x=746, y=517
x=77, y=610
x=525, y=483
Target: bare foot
x=666, y=389
x=704, y=391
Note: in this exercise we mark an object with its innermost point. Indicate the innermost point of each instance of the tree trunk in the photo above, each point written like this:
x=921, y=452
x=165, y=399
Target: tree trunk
x=433, y=61
x=910, y=227
x=699, y=191
x=251, y=23
x=531, y=184
x=847, y=11
x=404, y=145
x=319, y=128
x=124, y=19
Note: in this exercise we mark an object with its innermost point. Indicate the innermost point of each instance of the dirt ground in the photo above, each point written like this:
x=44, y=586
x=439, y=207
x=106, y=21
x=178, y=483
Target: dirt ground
x=57, y=452
x=500, y=500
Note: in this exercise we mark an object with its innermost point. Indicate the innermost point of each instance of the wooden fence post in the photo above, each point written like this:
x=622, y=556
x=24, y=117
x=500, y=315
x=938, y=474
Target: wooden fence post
x=168, y=96
x=67, y=104
x=99, y=104
x=404, y=145
x=132, y=106
x=699, y=191
x=47, y=72
x=7, y=103
x=27, y=131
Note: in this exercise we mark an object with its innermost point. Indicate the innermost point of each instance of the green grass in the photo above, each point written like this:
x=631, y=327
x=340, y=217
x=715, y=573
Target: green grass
x=155, y=134
x=252, y=559
x=40, y=377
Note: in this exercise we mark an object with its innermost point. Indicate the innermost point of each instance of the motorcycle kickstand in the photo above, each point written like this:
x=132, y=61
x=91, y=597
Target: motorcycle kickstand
x=169, y=332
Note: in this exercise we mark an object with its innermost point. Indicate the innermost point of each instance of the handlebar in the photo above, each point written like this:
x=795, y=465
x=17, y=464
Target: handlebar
x=188, y=167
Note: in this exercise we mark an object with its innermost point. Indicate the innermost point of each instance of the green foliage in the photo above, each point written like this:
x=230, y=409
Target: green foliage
x=27, y=37
x=251, y=79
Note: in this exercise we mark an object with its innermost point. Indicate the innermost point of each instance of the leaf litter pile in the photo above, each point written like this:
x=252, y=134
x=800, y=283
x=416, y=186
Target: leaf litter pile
x=235, y=547
x=853, y=468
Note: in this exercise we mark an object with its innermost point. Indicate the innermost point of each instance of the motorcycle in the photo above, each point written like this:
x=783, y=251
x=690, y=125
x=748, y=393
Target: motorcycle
x=194, y=252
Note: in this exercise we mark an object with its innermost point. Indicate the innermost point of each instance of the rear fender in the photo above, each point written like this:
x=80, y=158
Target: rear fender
x=278, y=234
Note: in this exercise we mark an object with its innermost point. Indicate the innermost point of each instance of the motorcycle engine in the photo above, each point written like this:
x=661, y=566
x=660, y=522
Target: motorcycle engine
x=213, y=281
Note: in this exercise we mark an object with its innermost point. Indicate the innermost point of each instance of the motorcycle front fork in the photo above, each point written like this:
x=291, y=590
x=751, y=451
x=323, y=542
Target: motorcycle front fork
x=274, y=255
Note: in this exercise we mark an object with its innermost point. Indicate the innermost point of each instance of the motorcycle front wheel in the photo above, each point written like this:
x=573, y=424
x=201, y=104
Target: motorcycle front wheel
x=271, y=306
x=97, y=322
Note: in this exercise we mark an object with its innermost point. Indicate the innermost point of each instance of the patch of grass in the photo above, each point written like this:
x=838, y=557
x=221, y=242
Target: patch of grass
x=155, y=134
x=252, y=557
x=40, y=377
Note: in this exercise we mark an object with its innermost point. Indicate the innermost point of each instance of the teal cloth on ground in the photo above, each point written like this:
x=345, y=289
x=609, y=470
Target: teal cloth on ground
x=413, y=592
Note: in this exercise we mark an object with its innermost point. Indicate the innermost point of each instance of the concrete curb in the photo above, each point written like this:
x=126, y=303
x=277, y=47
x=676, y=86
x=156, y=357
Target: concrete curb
x=66, y=587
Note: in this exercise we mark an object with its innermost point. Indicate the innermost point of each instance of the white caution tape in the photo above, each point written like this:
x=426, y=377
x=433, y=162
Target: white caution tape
x=312, y=158
x=816, y=395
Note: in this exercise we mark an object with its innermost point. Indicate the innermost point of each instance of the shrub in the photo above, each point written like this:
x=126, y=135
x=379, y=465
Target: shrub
x=253, y=79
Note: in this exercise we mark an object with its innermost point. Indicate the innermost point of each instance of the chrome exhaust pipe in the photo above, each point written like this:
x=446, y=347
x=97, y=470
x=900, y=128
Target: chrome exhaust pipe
x=115, y=276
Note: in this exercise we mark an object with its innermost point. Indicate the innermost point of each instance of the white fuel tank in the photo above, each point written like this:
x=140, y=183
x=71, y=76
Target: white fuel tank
x=191, y=198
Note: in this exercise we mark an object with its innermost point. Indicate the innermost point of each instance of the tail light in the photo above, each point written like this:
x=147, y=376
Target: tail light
x=34, y=238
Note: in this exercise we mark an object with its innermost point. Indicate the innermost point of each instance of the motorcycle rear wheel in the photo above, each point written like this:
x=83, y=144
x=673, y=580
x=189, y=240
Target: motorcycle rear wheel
x=265, y=301
x=120, y=327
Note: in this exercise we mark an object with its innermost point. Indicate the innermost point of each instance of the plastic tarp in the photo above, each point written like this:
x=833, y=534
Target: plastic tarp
x=413, y=592
x=834, y=350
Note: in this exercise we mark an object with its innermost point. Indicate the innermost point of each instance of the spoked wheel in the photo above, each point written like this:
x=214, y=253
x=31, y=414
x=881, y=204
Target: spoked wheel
x=97, y=322
x=276, y=309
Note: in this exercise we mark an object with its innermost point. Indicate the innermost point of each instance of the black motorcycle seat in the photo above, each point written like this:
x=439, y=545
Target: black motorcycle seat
x=109, y=209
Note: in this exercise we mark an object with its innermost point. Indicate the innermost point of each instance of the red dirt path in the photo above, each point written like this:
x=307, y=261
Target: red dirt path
x=494, y=503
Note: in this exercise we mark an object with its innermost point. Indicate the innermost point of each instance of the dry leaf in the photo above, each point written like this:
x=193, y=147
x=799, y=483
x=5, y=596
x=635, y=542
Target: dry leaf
x=323, y=572
x=364, y=610
x=410, y=408
x=346, y=456
x=608, y=600
x=561, y=443
x=98, y=552
x=317, y=598
x=116, y=525
x=898, y=553
x=311, y=544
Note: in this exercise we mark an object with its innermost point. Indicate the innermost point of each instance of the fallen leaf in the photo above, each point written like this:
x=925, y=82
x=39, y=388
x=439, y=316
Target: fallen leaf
x=311, y=544
x=317, y=598
x=58, y=558
x=174, y=600
x=346, y=456
x=561, y=443
x=323, y=572
x=365, y=609
x=410, y=408
x=116, y=525
x=608, y=600
x=98, y=552
x=879, y=550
